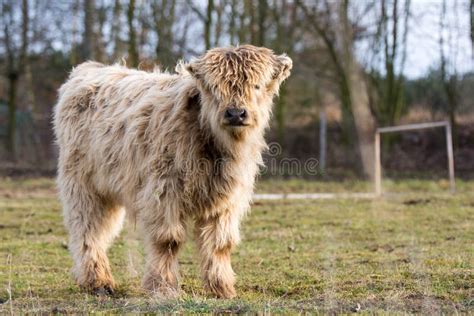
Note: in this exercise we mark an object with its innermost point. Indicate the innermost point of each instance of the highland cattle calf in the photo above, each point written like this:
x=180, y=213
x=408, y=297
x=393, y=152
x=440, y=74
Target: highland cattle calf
x=164, y=148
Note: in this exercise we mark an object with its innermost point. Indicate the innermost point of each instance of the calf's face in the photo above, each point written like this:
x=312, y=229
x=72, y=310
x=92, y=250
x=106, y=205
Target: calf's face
x=236, y=86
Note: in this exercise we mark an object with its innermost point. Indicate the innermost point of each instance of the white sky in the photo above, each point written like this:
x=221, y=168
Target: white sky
x=423, y=41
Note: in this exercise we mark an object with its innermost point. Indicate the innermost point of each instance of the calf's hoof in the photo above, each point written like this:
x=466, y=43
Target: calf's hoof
x=106, y=290
x=221, y=289
x=161, y=290
x=99, y=288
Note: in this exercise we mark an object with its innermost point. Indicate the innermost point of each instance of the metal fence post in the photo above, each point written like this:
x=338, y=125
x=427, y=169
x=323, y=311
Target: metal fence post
x=378, y=165
x=449, y=144
x=322, y=141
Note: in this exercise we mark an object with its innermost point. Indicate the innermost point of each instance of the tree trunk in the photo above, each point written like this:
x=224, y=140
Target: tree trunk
x=218, y=26
x=75, y=53
x=232, y=28
x=359, y=99
x=132, y=36
x=115, y=31
x=30, y=93
x=471, y=14
x=164, y=17
x=262, y=16
x=11, y=132
x=15, y=67
x=208, y=24
x=363, y=119
x=99, y=43
x=449, y=80
x=88, y=42
x=284, y=28
x=252, y=22
x=451, y=90
x=390, y=109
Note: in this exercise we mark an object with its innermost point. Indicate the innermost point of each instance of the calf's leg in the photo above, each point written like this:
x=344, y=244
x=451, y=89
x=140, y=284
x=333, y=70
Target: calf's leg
x=164, y=234
x=216, y=236
x=92, y=222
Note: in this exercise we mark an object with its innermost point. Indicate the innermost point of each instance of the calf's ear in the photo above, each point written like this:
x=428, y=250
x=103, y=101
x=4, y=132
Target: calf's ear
x=193, y=68
x=283, y=65
x=282, y=68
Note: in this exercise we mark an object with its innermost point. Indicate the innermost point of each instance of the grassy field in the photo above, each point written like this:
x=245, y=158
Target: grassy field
x=409, y=252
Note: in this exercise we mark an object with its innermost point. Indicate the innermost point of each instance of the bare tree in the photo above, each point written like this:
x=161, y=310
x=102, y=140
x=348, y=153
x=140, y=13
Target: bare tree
x=16, y=55
x=233, y=22
x=243, y=29
x=115, y=30
x=219, y=9
x=471, y=16
x=262, y=18
x=331, y=23
x=88, y=41
x=389, y=85
x=358, y=93
x=285, y=18
x=99, y=43
x=163, y=21
x=448, y=65
x=207, y=20
x=132, y=35
x=208, y=23
x=74, y=53
x=181, y=34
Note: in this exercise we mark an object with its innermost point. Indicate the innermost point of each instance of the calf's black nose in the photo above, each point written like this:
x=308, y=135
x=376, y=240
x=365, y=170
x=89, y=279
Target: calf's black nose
x=235, y=116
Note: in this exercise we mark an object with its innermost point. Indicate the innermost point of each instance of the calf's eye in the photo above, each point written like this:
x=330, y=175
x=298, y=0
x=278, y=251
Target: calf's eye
x=257, y=87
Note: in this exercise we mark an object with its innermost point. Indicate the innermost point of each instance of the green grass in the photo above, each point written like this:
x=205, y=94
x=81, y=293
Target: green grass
x=356, y=186
x=410, y=252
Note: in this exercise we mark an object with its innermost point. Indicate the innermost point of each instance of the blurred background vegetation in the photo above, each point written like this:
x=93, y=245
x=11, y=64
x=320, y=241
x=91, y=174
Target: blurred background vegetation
x=358, y=64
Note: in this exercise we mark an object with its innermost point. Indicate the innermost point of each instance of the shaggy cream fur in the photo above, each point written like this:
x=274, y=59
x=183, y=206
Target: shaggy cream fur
x=158, y=146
